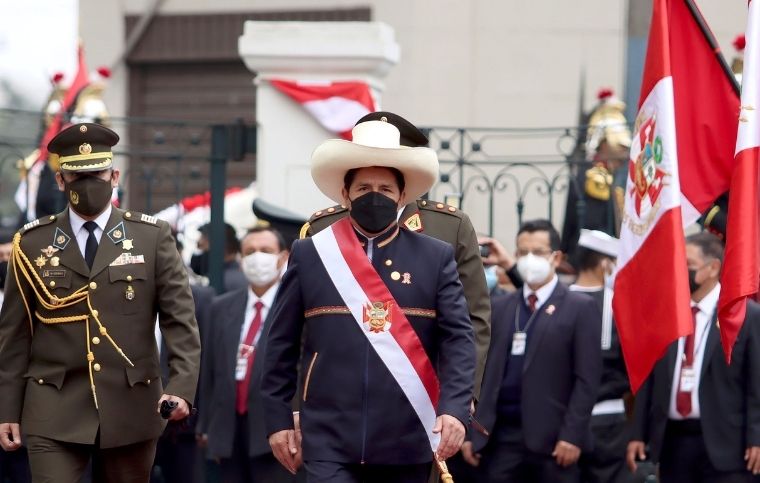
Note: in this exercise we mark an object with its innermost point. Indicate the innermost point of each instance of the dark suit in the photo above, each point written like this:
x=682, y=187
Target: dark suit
x=353, y=410
x=560, y=378
x=232, y=436
x=729, y=402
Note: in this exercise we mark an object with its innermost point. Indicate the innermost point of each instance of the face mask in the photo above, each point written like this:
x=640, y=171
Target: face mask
x=88, y=195
x=260, y=268
x=693, y=285
x=533, y=269
x=492, y=278
x=373, y=211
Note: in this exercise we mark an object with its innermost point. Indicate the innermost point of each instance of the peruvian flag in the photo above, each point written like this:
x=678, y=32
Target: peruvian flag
x=651, y=302
x=741, y=267
x=335, y=105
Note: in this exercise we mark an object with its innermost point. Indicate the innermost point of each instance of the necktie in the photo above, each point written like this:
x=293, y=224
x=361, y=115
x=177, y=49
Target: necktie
x=683, y=398
x=91, y=247
x=532, y=299
x=241, y=399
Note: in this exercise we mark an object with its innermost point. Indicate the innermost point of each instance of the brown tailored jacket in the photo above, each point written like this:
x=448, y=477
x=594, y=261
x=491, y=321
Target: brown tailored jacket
x=452, y=226
x=44, y=377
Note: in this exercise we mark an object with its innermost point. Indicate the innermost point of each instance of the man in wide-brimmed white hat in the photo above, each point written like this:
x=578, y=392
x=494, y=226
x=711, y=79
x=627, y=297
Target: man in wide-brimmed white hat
x=388, y=355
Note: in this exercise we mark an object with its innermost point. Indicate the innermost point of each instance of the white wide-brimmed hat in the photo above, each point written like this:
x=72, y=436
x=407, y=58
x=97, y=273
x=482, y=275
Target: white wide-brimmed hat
x=375, y=143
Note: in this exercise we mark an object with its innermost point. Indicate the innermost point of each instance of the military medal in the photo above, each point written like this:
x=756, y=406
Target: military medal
x=126, y=244
x=55, y=261
x=40, y=261
x=130, y=293
x=49, y=251
x=377, y=316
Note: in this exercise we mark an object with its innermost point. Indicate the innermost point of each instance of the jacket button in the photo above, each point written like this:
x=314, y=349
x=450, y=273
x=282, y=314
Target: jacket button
x=52, y=283
x=96, y=367
x=96, y=340
x=128, y=214
x=93, y=285
x=147, y=382
x=129, y=278
x=40, y=381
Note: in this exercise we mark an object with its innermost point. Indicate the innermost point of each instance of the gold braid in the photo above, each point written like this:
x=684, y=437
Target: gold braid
x=445, y=475
x=53, y=302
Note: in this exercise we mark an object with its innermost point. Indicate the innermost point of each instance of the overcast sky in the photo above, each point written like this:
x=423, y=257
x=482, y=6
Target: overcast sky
x=37, y=39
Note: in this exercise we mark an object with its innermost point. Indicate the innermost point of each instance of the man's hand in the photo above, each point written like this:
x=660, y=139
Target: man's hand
x=473, y=459
x=284, y=447
x=752, y=457
x=636, y=450
x=566, y=454
x=180, y=412
x=499, y=255
x=10, y=436
x=299, y=439
x=452, y=435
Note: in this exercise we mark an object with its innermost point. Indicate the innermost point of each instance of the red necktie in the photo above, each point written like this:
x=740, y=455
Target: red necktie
x=532, y=299
x=241, y=399
x=683, y=398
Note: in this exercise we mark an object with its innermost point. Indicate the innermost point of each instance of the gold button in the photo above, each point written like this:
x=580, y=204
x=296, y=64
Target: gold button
x=395, y=275
x=424, y=203
x=128, y=214
x=318, y=213
x=93, y=285
x=343, y=206
x=129, y=278
x=40, y=381
x=83, y=128
x=95, y=312
x=439, y=206
x=96, y=367
x=52, y=283
x=96, y=340
x=330, y=210
x=452, y=209
x=52, y=217
x=147, y=382
x=388, y=262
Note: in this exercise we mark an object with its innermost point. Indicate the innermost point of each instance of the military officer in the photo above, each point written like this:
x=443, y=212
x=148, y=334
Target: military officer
x=79, y=367
x=440, y=221
x=388, y=349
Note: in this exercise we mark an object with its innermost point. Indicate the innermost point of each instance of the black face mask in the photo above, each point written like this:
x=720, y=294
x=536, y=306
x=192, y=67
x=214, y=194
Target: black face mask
x=693, y=285
x=373, y=211
x=89, y=195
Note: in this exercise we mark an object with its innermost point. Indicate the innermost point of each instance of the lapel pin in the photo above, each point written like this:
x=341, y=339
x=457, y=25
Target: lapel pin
x=407, y=278
x=40, y=261
x=127, y=244
x=49, y=251
x=55, y=261
x=550, y=309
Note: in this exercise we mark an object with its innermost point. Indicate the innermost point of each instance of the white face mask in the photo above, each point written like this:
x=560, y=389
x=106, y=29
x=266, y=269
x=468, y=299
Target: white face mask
x=260, y=268
x=533, y=269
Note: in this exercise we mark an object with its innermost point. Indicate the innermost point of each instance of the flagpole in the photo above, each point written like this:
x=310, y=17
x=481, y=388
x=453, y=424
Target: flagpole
x=694, y=10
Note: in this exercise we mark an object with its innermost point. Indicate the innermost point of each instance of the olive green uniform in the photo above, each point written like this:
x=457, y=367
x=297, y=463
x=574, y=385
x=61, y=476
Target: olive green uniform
x=453, y=226
x=78, y=355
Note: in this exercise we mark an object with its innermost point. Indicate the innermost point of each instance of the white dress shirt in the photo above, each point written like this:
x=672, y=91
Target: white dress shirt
x=542, y=294
x=81, y=233
x=250, y=310
x=707, y=307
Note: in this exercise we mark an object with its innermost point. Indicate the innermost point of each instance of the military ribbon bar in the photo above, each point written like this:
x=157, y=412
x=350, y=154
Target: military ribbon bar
x=398, y=347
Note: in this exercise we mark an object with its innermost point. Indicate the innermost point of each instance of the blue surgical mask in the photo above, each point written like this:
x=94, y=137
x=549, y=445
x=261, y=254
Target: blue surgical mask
x=492, y=278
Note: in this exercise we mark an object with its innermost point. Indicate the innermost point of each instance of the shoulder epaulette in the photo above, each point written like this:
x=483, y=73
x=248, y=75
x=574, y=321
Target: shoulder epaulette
x=141, y=217
x=38, y=222
x=333, y=210
x=437, y=206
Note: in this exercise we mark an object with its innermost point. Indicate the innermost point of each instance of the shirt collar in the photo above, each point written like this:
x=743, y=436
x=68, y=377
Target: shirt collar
x=709, y=301
x=77, y=222
x=267, y=299
x=380, y=239
x=542, y=293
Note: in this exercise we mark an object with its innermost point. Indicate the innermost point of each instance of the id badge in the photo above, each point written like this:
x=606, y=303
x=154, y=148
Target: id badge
x=241, y=368
x=519, y=340
x=688, y=379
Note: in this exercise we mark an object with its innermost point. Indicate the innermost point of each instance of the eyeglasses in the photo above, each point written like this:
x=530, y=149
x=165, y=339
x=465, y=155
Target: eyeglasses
x=540, y=252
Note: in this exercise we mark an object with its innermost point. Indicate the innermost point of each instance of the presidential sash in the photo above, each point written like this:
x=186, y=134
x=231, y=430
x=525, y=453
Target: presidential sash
x=381, y=320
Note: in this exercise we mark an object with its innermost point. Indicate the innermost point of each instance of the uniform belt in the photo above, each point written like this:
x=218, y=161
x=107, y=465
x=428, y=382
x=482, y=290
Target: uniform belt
x=610, y=406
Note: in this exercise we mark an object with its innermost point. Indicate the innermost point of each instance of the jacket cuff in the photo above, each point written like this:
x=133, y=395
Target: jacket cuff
x=279, y=419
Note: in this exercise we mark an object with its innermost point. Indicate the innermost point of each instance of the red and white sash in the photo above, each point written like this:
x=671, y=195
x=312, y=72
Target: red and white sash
x=396, y=342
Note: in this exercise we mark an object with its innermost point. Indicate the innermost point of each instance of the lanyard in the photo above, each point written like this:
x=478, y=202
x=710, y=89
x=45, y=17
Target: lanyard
x=702, y=338
x=527, y=324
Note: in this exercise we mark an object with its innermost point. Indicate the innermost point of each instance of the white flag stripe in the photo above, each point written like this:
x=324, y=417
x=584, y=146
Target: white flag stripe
x=336, y=114
x=385, y=345
x=636, y=227
x=749, y=130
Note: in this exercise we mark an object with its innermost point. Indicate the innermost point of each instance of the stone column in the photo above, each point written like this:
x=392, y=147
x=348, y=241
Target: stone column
x=287, y=133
